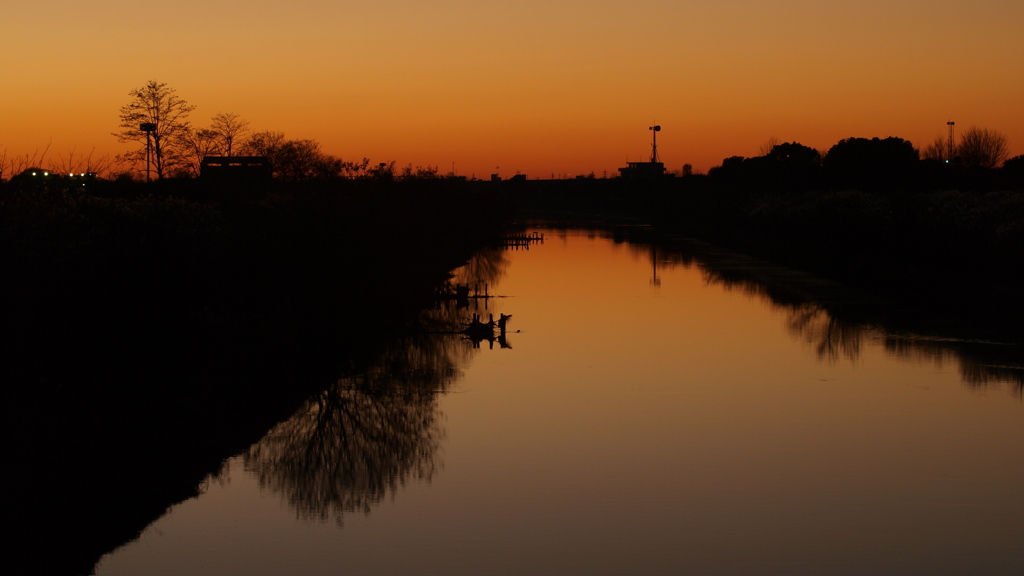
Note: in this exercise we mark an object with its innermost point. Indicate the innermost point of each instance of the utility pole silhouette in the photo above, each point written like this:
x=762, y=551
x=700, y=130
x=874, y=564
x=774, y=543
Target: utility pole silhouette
x=949, y=155
x=148, y=128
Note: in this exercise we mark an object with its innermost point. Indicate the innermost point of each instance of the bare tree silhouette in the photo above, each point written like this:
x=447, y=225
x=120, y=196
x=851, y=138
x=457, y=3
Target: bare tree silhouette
x=158, y=105
x=11, y=166
x=199, y=144
x=229, y=128
x=982, y=148
x=768, y=145
x=81, y=163
x=937, y=150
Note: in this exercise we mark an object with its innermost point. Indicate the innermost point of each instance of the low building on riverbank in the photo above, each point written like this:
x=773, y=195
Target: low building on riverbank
x=235, y=169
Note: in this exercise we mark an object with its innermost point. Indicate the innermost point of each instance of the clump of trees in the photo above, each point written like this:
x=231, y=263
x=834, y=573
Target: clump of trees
x=157, y=120
x=979, y=161
x=297, y=160
x=789, y=165
x=1014, y=169
x=878, y=163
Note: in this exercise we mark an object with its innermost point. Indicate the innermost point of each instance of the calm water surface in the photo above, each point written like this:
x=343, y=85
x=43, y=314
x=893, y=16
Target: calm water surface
x=640, y=416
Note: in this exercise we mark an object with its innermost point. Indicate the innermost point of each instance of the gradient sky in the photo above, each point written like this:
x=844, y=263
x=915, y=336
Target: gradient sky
x=542, y=87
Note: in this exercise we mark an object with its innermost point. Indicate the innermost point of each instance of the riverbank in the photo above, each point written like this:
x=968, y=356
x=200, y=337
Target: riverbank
x=950, y=255
x=150, y=334
x=956, y=254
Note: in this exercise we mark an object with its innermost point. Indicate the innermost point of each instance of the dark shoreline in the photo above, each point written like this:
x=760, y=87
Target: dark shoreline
x=836, y=319
x=952, y=256
x=147, y=338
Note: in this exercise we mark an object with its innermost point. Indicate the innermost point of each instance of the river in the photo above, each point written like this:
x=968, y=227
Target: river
x=650, y=408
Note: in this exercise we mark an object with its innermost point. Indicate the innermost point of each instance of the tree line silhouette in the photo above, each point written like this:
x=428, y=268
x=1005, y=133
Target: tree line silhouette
x=892, y=164
x=177, y=149
x=156, y=122
x=872, y=211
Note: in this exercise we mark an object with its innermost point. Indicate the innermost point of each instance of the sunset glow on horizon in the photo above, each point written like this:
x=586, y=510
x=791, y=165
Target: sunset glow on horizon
x=553, y=88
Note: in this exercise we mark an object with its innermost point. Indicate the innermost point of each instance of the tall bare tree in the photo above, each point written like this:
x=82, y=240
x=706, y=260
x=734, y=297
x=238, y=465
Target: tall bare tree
x=198, y=144
x=937, y=150
x=265, y=143
x=230, y=129
x=982, y=148
x=158, y=107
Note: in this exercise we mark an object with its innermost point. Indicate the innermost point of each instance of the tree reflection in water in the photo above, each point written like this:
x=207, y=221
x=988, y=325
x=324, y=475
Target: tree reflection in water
x=487, y=265
x=979, y=363
x=834, y=320
x=831, y=337
x=349, y=447
x=370, y=433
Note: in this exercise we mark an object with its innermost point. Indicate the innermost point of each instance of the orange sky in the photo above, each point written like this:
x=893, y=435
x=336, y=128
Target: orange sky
x=541, y=87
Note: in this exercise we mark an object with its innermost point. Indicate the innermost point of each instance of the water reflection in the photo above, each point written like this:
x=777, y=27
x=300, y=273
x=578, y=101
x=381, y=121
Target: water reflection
x=834, y=320
x=734, y=454
x=361, y=439
x=831, y=337
x=980, y=362
x=837, y=322
x=353, y=444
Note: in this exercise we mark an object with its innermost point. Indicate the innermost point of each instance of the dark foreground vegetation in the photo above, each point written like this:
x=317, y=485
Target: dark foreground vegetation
x=150, y=332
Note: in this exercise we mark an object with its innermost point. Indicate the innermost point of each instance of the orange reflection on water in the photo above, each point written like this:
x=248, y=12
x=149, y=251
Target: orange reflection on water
x=674, y=427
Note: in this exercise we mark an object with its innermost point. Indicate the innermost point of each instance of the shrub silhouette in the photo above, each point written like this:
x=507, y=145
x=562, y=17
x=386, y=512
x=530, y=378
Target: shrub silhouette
x=982, y=148
x=875, y=164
